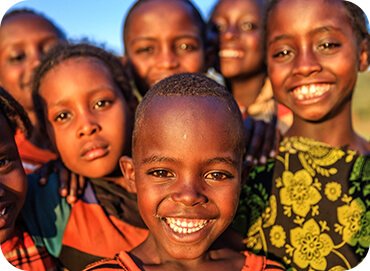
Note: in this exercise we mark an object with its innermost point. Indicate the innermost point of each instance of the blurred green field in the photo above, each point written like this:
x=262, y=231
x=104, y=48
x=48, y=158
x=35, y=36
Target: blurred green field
x=361, y=105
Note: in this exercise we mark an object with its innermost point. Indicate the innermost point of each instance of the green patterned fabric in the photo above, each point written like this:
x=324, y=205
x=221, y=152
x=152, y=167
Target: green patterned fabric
x=308, y=208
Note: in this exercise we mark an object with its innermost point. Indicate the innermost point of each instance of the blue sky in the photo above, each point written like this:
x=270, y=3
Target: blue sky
x=98, y=20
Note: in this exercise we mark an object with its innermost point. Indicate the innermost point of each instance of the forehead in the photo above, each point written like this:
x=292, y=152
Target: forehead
x=19, y=27
x=307, y=15
x=239, y=7
x=188, y=120
x=26, y=20
x=163, y=15
x=81, y=74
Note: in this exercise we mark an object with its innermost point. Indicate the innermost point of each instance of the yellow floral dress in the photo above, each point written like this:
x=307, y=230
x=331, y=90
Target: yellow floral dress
x=309, y=208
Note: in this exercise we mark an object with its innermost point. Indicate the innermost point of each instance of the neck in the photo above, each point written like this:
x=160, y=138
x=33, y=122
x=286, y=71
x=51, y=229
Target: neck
x=337, y=131
x=246, y=89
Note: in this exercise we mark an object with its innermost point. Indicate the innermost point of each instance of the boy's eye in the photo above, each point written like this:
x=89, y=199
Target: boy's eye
x=161, y=173
x=247, y=26
x=328, y=45
x=218, y=176
x=102, y=104
x=221, y=27
x=187, y=47
x=17, y=58
x=4, y=162
x=145, y=50
x=282, y=54
x=62, y=117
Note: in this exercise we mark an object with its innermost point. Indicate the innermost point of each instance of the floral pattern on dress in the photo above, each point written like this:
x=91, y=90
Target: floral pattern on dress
x=298, y=192
x=310, y=207
x=311, y=246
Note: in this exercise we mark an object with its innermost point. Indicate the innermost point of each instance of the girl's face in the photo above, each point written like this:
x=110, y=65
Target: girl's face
x=187, y=174
x=24, y=39
x=239, y=23
x=13, y=182
x=313, y=57
x=162, y=39
x=87, y=116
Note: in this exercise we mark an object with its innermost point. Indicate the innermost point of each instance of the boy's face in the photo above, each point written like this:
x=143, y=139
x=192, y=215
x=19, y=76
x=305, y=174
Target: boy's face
x=240, y=25
x=13, y=183
x=162, y=39
x=24, y=39
x=187, y=173
x=313, y=57
x=87, y=116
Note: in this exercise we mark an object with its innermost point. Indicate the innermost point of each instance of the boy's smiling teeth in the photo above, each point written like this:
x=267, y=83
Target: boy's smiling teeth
x=3, y=211
x=230, y=53
x=311, y=91
x=184, y=225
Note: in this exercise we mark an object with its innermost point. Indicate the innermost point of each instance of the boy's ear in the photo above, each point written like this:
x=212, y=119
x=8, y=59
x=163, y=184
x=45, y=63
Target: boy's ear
x=364, y=55
x=128, y=171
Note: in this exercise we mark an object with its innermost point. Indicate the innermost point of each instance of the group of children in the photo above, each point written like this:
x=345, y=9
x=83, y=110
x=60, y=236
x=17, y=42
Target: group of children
x=161, y=148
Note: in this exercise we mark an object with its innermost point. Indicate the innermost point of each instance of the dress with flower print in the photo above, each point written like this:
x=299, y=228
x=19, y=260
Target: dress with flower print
x=308, y=208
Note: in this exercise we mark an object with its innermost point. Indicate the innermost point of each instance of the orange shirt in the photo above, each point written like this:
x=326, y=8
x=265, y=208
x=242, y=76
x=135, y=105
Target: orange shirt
x=32, y=156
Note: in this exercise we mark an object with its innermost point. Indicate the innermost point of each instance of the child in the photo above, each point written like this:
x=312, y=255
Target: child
x=310, y=208
x=188, y=146
x=16, y=244
x=162, y=38
x=25, y=36
x=84, y=102
x=240, y=27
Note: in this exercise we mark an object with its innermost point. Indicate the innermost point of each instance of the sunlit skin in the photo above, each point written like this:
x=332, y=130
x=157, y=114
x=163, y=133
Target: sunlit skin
x=87, y=116
x=13, y=183
x=162, y=39
x=313, y=59
x=24, y=39
x=240, y=28
x=187, y=169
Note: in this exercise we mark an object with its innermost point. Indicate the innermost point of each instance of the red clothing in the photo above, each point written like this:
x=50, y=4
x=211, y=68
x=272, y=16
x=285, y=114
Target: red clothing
x=21, y=252
x=32, y=156
x=123, y=261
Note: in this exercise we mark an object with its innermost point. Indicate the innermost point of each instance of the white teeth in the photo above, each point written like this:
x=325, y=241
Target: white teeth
x=3, y=211
x=230, y=53
x=310, y=91
x=185, y=226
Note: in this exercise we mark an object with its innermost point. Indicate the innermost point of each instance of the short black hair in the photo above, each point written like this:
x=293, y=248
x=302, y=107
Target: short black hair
x=66, y=51
x=13, y=12
x=198, y=19
x=196, y=85
x=14, y=114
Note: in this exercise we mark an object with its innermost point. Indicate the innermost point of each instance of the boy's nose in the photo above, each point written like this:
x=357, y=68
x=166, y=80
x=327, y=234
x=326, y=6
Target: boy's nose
x=88, y=126
x=306, y=63
x=189, y=194
x=230, y=32
x=168, y=59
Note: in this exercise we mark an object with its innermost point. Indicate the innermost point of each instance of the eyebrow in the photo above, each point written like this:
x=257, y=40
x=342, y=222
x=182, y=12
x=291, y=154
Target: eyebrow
x=226, y=160
x=157, y=158
x=144, y=38
x=66, y=101
x=322, y=29
x=215, y=160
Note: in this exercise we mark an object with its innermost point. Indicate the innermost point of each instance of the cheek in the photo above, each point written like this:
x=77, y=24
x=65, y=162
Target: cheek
x=193, y=63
